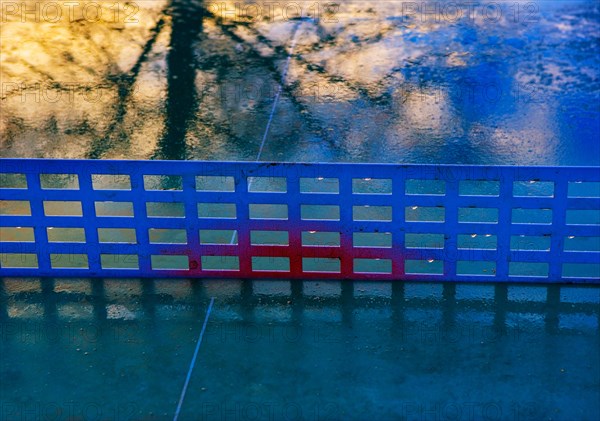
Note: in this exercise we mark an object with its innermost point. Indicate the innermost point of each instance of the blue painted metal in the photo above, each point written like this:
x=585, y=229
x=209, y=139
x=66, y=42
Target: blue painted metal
x=452, y=259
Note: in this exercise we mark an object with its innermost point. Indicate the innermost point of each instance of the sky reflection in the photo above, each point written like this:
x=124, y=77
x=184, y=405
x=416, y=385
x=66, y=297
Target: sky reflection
x=368, y=81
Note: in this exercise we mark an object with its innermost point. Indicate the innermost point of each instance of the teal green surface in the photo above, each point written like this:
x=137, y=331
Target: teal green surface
x=313, y=350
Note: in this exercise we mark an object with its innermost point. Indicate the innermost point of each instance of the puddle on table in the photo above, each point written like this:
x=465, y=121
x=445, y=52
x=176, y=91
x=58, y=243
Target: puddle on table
x=120, y=349
x=501, y=83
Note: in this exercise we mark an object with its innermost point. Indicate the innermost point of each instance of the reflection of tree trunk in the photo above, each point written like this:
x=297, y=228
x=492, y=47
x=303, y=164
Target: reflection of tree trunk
x=181, y=95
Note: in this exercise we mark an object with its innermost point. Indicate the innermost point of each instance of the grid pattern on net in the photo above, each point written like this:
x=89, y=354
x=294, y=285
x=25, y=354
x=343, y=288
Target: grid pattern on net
x=244, y=219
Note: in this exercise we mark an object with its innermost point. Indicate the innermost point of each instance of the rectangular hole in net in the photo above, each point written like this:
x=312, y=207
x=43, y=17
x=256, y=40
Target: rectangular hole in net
x=479, y=188
x=321, y=264
x=117, y=235
x=111, y=182
x=69, y=261
x=581, y=270
x=583, y=217
x=18, y=260
x=530, y=242
x=372, y=239
x=269, y=238
x=269, y=263
x=13, y=181
x=163, y=182
x=320, y=238
x=578, y=243
x=371, y=186
x=584, y=189
x=477, y=241
x=533, y=188
x=169, y=262
x=528, y=269
x=320, y=212
x=59, y=181
x=267, y=184
x=218, y=237
x=424, y=214
x=372, y=213
x=65, y=235
x=478, y=215
x=220, y=263
x=424, y=267
x=119, y=261
x=120, y=209
x=531, y=216
x=165, y=210
x=268, y=211
x=167, y=236
x=217, y=210
x=62, y=208
x=215, y=183
x=320, y=185
x=17, y=235
x=475, y=268
x=372, y=266
x=425, y=187
x=424, y=241
x=15, y=208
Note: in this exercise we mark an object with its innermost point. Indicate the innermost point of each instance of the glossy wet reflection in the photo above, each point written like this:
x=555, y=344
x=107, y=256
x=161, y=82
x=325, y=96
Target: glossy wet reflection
x=514, y=83
x=343, y=350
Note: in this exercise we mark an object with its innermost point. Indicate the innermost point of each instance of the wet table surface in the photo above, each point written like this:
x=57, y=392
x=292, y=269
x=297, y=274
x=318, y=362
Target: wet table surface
x=493, y=83
x=314, y=350
x=499, y=83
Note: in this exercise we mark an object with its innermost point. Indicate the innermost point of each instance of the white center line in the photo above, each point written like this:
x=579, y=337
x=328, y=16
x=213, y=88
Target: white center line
x=275, y=102
x=262, y=144
x=193, y=363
